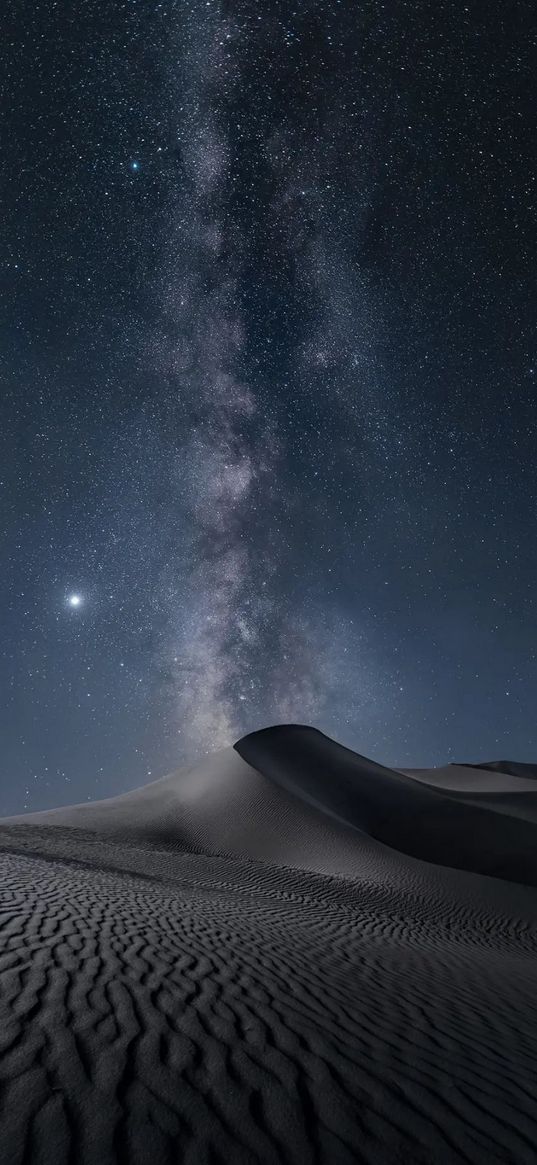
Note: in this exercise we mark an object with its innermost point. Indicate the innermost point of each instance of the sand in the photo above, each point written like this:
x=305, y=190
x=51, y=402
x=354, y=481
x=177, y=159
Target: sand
x=251, y=961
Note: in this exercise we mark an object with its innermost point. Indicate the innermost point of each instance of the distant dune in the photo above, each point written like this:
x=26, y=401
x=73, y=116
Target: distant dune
x=287, y=953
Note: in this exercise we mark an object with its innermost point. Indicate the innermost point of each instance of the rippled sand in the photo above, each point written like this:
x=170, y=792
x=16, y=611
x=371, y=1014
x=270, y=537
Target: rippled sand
x=217, y=969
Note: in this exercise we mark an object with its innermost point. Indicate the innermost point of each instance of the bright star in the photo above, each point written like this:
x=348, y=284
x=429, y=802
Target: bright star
x=135, y=165
x=74, y=600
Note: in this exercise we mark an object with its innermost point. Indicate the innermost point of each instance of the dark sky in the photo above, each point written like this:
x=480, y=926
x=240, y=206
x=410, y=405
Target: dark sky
x=269, y=366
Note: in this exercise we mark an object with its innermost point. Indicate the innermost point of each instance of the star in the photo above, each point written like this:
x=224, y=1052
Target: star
x=74, y=600
x=135, y=165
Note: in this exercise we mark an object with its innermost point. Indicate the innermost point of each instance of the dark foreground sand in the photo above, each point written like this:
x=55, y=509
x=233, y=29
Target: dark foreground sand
x=251, y=961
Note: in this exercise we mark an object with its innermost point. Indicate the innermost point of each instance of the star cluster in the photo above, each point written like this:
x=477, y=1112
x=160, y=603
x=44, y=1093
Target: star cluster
x=269, y=368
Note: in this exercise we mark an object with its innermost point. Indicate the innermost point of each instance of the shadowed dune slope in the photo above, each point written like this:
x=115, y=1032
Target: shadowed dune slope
x=489, y=833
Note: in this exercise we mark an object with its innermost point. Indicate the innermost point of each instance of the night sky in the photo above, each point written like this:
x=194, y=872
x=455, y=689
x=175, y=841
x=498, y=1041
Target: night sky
x=268, y=424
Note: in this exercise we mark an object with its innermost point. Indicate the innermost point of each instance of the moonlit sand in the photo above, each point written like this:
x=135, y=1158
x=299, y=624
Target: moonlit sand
x=286, y=953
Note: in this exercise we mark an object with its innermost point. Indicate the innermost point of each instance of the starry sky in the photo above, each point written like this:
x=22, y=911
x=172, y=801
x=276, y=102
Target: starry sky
x=269, y=365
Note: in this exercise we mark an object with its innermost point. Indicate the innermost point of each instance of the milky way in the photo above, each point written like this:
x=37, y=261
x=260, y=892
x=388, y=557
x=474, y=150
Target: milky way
x=238, y=608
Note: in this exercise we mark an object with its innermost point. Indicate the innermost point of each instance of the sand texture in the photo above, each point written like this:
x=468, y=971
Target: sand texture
x=247, y=962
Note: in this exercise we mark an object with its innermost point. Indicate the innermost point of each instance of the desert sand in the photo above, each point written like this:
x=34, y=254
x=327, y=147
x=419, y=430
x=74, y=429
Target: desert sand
x=286, y=953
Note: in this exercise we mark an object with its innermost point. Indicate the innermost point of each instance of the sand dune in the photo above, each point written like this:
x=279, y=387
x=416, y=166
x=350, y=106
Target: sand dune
x=425, y=818
x=251, y=961
x=515, y=768
x=468, y=778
